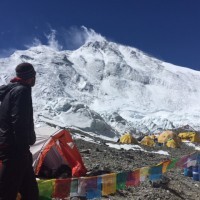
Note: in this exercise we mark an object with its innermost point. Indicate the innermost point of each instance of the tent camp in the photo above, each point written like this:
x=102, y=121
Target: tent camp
x=148, y=141
x=54, y=148
x=127, y=138
x=169, y=138
x=190, y=136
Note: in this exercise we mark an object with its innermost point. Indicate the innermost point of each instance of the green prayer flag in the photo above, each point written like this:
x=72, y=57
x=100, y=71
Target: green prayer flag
x=45, y=189
x=121, y=180
x=172, y=163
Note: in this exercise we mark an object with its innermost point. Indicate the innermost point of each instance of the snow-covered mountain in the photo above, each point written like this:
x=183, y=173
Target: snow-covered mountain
x=108, y=88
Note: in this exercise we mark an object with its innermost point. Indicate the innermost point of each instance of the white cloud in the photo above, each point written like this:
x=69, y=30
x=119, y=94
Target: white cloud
x=52, y=42
x=75, y=37
x=36, y=42
x=91, y=35
x=71, y=39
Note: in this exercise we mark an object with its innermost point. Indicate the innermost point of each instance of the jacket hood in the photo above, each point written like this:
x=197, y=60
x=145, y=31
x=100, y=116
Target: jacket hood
x=4, y=89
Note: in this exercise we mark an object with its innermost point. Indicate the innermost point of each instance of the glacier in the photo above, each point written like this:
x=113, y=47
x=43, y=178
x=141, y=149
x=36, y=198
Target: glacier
x=108, y=88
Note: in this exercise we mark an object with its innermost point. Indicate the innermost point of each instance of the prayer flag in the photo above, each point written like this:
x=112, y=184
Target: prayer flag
x=121, y=180
x=93, y=187
x=46, y=189
x=62, y=188
x=182, y=162
x=155, y=172
x=172, y=164
x=74, y=187
x=108, y=184
x=165, y=165
x=133, y=178
x=82, y=186
x=144, y=173
x=192, y=160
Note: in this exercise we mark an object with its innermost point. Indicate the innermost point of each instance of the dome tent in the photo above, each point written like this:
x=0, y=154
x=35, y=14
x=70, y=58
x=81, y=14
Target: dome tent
x=54, y=148
x=148, y=141
x=127, y=138
x=191, y=136
x=173, y=143
x=169, y=138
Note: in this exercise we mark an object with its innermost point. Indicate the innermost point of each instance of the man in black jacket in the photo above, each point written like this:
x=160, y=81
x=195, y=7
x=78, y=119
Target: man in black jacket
x=16, y=136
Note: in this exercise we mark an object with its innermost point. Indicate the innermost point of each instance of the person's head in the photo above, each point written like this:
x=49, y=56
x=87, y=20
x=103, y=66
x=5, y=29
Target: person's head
x=26, y=72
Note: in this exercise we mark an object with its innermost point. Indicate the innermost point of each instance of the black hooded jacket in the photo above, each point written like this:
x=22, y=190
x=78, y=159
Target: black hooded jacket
x=16, y=119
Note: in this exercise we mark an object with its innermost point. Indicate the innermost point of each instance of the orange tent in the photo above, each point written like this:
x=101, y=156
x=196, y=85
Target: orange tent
x=55, y=147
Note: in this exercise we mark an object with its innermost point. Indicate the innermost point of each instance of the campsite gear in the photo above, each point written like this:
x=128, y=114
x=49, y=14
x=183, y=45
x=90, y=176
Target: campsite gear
x=190, y=136
x=188, y=171
x=148, y=141
x=195, y=173
x=169, y=138
x=127, y=138
x=54, y=148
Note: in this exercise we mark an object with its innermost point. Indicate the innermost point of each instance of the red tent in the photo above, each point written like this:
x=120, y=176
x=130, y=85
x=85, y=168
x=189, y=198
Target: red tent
x=56, y=147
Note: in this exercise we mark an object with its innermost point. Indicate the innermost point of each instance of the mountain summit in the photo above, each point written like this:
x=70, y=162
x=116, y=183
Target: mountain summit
x=108, y=88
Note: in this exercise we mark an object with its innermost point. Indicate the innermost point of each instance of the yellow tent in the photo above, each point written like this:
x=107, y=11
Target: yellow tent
x=148, y=141
x=153, y=137
x=169, y=138
x=165, y=136
x=191, y=136
x=127, y=138
x=173, y=143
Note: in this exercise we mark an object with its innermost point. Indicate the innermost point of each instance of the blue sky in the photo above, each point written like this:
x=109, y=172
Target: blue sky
x=166, y=29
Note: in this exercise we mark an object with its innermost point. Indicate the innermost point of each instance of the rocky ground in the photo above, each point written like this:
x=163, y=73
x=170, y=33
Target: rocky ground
x=101, y=159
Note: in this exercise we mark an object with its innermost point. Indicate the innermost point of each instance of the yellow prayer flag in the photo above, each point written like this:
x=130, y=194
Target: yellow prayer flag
x=108, y=184
x=144, y=172
x=165, y=165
